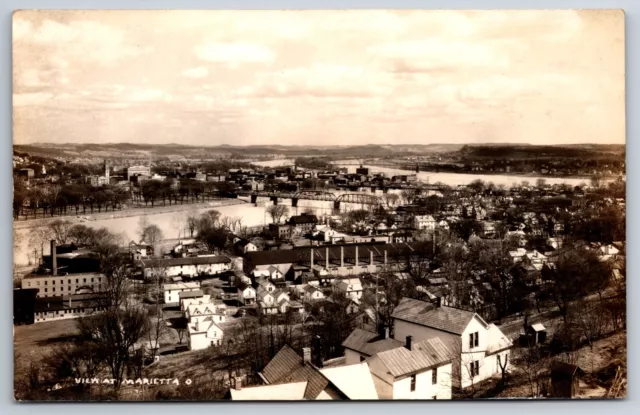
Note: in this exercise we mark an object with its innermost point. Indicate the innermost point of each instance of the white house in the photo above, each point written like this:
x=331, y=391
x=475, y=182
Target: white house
x=479, y=348
x=205, y=333
x=312, y=293
x=352, y=288
x=189, y=266
x=200, y=312
x=424, y=222
x=171, y=291
x=206, y=299
x=246, y=294
x=187, y=297
x=420, y=370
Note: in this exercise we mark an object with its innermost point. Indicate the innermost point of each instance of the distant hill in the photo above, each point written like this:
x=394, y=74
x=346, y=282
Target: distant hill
x=173, y=150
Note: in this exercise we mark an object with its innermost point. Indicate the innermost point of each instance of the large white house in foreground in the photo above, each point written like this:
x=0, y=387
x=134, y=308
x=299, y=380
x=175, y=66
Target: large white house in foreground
x=478, y=349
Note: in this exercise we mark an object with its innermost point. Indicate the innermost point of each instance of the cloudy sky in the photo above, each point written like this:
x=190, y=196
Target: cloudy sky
x=334, y=77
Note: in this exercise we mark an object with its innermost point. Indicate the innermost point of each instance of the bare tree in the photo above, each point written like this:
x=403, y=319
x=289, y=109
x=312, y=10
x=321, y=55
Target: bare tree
x=192, y=222
x=60, y=229
x=277, y=212
x=533, y=363
x=152, y=235
x=39, y=237
x=466, y=366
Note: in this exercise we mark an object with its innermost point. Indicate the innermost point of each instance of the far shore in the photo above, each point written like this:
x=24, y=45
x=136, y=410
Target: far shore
x=534, y=175
x=124, y=213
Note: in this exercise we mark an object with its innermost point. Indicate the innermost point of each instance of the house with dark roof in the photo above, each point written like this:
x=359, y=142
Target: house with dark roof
x=303, y=223
x=289, y=373
x=479, y=349
x=362, y=344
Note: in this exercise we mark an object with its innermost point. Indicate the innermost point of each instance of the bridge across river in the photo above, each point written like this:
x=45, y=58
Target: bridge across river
x=358, y=198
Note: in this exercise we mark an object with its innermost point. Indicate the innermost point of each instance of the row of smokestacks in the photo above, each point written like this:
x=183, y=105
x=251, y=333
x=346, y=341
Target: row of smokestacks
x=356, y=258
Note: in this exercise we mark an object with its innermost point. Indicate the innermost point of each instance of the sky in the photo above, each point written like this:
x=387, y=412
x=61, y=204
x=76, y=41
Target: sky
x=318, y=77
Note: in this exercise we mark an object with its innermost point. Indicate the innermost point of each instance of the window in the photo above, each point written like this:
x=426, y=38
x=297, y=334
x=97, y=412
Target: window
x=434, y=376
x=38, y=283
x=69, y=281
x=475, y=368
x=28, y=284
x=77, y=280
x=84, y=280
x=53, y=282
x=413, y=383
x=46, y=283
x=473, y=340
x=45, y=290
x=91, y=279
x=54, y=289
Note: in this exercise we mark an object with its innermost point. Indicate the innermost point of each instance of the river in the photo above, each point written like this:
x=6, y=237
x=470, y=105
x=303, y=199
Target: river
x=253, y=215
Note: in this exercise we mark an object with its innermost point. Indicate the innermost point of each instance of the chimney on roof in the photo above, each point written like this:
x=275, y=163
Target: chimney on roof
x=408, y=342
x=54, y=258
x=326, y=259
x=356, y=259
x=306, y=355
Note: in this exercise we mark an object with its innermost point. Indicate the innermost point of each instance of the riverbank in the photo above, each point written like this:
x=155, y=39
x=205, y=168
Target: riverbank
x=533, y=175
x=124, y=213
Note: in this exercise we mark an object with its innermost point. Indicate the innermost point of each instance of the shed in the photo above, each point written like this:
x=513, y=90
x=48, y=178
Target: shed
x=537, y=333
x=565, y=380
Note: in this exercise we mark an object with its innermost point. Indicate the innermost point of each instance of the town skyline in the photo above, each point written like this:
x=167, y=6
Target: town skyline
x=246, y=78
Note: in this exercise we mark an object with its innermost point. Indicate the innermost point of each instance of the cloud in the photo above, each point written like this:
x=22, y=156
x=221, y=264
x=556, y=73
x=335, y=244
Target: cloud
x=31, y=98
x=196, y=73
x=21, y=28
x=436, y=54
x=234, y=53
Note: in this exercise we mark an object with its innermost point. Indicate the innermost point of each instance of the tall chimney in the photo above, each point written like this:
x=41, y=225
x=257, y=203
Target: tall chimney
x=342, y=256
x=355, y=264
x=326, y=259
x=54, y=258
x=311, y=258
x=306, y=355
x=237, y=383
x=408, y=343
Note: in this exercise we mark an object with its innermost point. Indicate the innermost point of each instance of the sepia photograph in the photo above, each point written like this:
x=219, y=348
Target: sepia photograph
x=289, y=205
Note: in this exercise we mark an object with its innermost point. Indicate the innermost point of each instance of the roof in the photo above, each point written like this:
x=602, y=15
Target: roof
x=566, y=369
x=302, y=254
x=303, y=219
x=369, y=343
x=355, y=381
x=190, y=294
x=538, y=327
x=422, y=356
x=449, y=319
x=182, y=286
x=281, y=364
x=174, y=262
x=287, y=367
x=280, y=392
